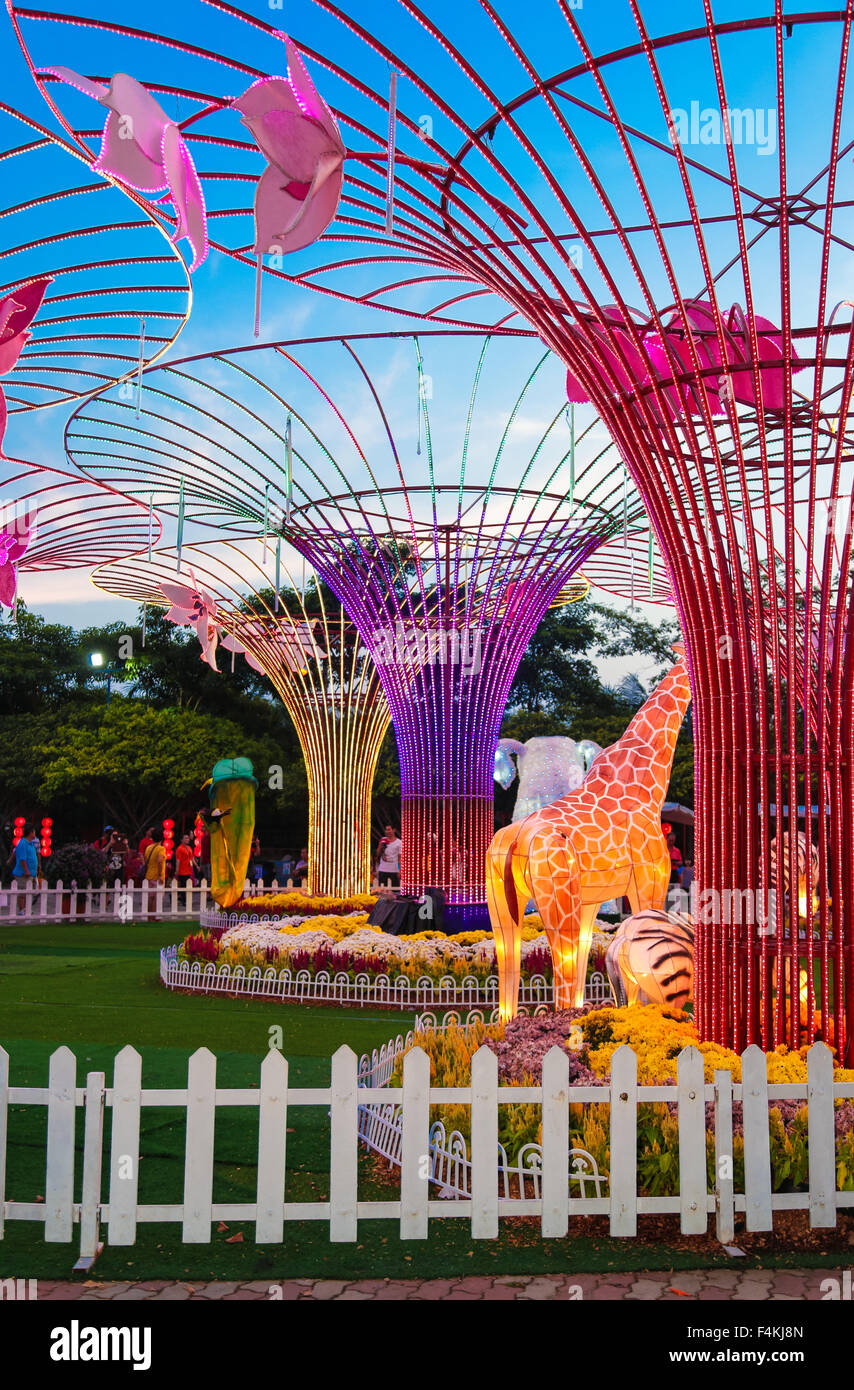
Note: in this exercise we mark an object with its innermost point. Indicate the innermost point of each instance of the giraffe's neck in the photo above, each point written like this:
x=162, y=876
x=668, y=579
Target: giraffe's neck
x=650, y=739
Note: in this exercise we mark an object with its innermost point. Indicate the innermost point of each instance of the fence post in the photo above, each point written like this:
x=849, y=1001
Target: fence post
x=724, y=1162
x=555, y=1219
x=93, y=1139
x=415, y=1146
x=821, y=1136
x=344, y=1151
x=124, y=1147
x=199, y=1152
x=624, y=1142
x=692, y=1142
x=145, y=888
x=272, y=1144
x=4, y=1129
x=757, y=1143
x=484, y=1144
x=59, y=1182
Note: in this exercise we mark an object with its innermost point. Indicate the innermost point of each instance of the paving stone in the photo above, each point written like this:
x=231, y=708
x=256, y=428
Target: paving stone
x=137, y=1295
x=611, y=1291
x=789, y=1284
x=541, y=1289
x=217, y=1290
x=175, y=1293
x=647, y=1288
x=328, y=1288
x=351, y=1296
x=712, y=1294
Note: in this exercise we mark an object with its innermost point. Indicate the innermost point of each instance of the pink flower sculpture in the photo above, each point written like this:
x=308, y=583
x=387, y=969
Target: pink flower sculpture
x=668, y=353
x=192, y=607
x=13, y=546
x=298, y=193
x=144, y=149
x=17, y=311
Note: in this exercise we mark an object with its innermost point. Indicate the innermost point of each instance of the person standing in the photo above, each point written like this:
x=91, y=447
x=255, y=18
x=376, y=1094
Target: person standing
x=154, y=861
x=387, y=838
x=25, y=869
x=185, y=863
x=301, y=866
x=147, y=839
x=388, y=867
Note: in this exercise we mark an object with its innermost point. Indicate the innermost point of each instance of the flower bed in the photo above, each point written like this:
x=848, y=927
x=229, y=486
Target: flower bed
x=339, y=944
x=590, y=1036
x=299, y=905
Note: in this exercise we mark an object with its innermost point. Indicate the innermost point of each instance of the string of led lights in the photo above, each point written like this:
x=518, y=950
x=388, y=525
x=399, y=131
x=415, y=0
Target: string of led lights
x=445, y=560
x=301, y=640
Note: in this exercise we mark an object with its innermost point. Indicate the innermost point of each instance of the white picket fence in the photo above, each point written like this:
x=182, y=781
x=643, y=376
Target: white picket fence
x=551, y=1198
x=122, y=902
x=398, y=992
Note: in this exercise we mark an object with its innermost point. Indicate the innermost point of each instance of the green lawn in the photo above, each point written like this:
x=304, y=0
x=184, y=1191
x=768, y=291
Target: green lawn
x=96, y=988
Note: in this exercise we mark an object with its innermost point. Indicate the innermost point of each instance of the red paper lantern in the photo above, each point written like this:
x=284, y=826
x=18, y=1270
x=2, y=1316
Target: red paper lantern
x=20, y=822
x=46, y=837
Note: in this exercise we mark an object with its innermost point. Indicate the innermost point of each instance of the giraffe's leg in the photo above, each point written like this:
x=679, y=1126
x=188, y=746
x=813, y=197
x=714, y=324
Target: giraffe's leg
x=650, y=877
x=556, y=885
x=505, y=914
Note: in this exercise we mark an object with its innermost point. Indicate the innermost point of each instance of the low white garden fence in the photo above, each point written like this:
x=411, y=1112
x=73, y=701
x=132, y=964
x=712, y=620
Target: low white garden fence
x=121, y=902
x=551, y=1198
x=399, y=992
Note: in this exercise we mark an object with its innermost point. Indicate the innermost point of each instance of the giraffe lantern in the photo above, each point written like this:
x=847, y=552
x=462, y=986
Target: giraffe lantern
x=601, y=841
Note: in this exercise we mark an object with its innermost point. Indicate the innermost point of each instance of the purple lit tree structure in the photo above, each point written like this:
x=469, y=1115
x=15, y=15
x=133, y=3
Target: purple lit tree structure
x=311, y=654
x=446, y=530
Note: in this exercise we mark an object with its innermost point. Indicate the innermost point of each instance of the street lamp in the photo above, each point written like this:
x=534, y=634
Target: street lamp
x=96, y=661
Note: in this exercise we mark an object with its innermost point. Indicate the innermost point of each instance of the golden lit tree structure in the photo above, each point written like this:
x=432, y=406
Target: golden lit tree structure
x=438, y=485
x=300, y=639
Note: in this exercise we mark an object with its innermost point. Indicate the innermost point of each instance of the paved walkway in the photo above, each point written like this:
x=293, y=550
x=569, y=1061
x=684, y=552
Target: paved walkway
x=704, y=1284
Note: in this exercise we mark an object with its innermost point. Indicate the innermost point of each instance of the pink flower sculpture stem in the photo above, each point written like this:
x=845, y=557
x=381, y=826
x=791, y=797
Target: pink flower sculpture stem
x=144, y=149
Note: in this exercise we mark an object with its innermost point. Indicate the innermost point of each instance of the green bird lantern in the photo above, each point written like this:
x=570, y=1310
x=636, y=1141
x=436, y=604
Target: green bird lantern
x=230, y=822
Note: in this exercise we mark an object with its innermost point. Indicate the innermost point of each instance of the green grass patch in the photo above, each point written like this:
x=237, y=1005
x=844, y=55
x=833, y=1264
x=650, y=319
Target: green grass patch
x=97, y=988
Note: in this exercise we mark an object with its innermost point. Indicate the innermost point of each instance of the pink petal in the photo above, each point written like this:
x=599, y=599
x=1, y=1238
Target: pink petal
x=22, y=304
x=125, y=160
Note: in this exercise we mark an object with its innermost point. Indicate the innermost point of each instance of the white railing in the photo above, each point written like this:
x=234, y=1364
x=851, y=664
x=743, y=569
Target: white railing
x=399, y=992
x=550, y=1196
x=121, y=902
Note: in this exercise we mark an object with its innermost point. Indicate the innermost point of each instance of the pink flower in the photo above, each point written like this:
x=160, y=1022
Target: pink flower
x=193, y=607
x=144, y=149
x=13, y=545
x=298, y=193
x=17, y=311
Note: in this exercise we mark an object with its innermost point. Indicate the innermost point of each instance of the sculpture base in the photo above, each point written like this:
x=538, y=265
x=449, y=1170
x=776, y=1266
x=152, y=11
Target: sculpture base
x=461, y=917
